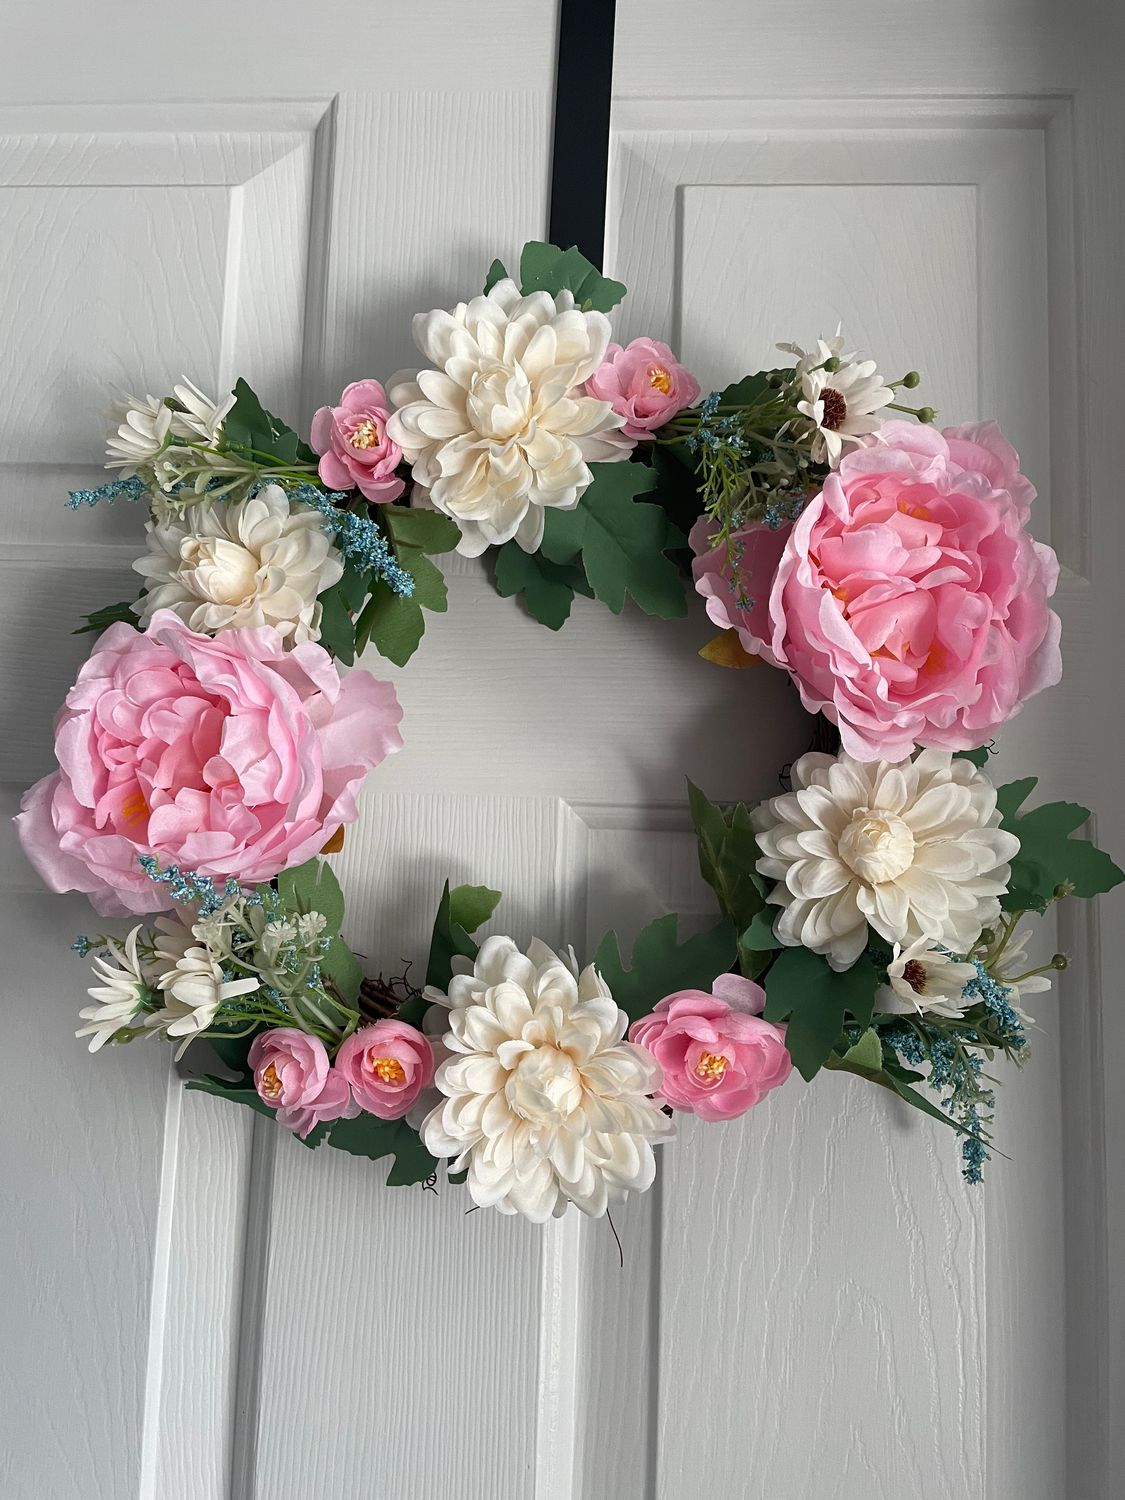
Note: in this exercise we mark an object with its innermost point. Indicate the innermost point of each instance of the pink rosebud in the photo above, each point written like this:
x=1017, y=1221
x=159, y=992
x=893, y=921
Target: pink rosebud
x=227, y=756
x=293, y=1075
x=910, y=605
x=354, y=448
x=719, y=1057
x=387, y=1065
x=644, y=383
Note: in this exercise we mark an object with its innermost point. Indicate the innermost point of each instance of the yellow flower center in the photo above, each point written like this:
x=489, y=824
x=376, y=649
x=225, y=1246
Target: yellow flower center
x=271, y=1083
x=134, y=808
x=366, y=434
x=660, y=380
x=389, y=1069
x=711, y=1065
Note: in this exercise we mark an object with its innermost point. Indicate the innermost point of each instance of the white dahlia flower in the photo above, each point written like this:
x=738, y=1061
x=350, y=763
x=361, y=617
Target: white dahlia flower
x=545, y=1103
x=120, y=994
x=497, y=431
x=260, y=561
x=924, y=980
x=915, y=849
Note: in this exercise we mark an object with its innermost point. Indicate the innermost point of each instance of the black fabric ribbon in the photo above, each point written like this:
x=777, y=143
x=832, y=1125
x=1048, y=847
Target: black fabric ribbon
x=580, y=152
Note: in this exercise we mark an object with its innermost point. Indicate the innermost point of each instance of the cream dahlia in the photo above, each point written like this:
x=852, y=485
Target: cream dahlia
x=545, y=1103
x=914, y=848
x=260, y=561
x=497, y=431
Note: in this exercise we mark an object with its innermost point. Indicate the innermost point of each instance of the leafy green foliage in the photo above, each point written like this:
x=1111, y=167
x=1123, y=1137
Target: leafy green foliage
x=866, y=1054
x=548, y=588
x=622, y=541
x=313, y=887
x=816, y=1001
x=367, y=1135
x=1049, y=859
x=256, y=433
x=978, y=757
x=392, y=624
x=497, y=271
x=109, y=614
x=339, y=606
x=728, y=855
x=661, y=964
x=461, y=911
x=546, y=268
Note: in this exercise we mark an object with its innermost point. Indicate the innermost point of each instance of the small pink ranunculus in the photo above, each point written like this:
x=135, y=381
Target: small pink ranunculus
x=910, y=604
x=387, y=1066
x=644, y=383
x=293, y=1075
x=719, y=1057
x=224, y=755
x=735, y=583
x=355, y=451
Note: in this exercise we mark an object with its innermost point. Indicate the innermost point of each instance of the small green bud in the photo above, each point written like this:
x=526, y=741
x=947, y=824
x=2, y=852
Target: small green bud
x=926, y=414
x=911, y=379
x=987, y=938
x=775, y=380
x=832, y=364
x=1060, y=961
x=1064, y=889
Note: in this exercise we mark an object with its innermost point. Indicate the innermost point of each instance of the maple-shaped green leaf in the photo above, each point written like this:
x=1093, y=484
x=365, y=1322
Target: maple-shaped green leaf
x=497, y=271
x=548, y=588
x=339, y=607
x=622, y=541
x=460, y=912
x=1050, y=859
x=366, y=1135
x=728, y=855
x=816, y=1001
x=391, y=623
x=661, y=964
x=546, y=268
x=257, y=433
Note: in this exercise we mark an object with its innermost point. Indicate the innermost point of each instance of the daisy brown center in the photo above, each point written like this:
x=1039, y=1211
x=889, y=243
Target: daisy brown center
x=914, y=973
x=835, y=409
x=271, y=1083
x=711, y=1065
x=660, y=380
x=389, y=1070
x=366, y=434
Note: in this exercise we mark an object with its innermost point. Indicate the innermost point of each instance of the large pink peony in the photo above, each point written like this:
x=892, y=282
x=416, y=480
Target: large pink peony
x=910, y=605
x=719, y=1057
x=226, y=756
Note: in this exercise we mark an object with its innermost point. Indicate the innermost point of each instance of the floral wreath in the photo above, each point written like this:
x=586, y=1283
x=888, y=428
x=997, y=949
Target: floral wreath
x=871, y=916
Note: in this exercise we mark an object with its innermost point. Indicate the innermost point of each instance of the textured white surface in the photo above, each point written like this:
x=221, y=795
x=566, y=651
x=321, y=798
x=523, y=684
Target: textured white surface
x=811, y=1303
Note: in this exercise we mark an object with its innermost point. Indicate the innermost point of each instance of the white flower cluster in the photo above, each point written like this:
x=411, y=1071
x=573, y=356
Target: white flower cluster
x=174, y=981
x=146, y=428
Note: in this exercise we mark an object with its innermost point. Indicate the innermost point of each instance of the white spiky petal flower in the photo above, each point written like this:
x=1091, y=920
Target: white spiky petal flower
x=192, y=981
x=545, y=1103
x=260, y=561
x=498, y=431
x=143, y=426
x=914, y=848
x=839, y=404
x=120, y=994
x=924, y=980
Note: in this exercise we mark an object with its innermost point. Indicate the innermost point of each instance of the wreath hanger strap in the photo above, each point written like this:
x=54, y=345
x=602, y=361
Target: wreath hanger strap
x=580, y=150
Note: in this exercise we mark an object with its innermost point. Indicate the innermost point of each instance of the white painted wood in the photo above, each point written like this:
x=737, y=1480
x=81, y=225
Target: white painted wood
x=811, y=1302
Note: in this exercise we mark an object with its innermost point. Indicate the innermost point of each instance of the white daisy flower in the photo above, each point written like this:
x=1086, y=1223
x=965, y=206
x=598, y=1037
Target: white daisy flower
x=142, y=429
x=119, y=996
x=839, y=404
x=924, y=980
x=1015, y=971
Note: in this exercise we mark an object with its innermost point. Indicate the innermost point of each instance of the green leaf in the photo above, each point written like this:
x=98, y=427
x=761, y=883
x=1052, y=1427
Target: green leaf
x=728, y=855
x=341, y=966
x=110, y=614
x=978, y=757
x=867, y=1053
x=548, y=588
x=661, y=964
x=497, y=271
x=622, y=541
x=751, y=390
x=759, y=938
x=366, y=1135
x=251, y=429
x=249, y=1097
x=313, y=887
x=460, y=912
x=337, y=628
x=817, y=1000
x=546, y=268
x=1049, y=858
x=392, y=624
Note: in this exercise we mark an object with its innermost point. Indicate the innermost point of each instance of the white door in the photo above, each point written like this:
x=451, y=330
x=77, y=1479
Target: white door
x=812, y=1303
